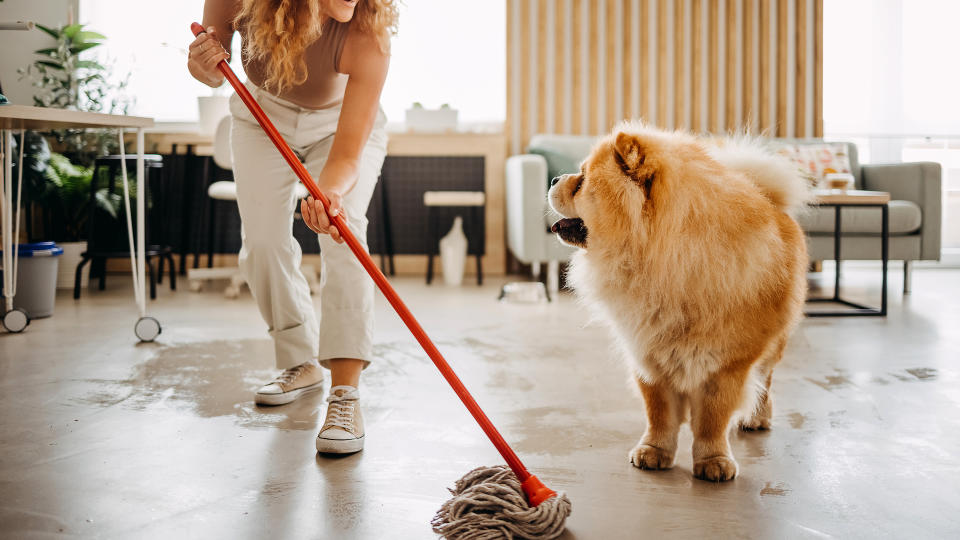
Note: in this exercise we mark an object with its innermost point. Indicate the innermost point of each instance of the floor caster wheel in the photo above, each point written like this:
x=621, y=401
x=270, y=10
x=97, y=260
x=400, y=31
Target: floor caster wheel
x=147, y=329
x=196, y=285
x=231, y=292
x=15, y=320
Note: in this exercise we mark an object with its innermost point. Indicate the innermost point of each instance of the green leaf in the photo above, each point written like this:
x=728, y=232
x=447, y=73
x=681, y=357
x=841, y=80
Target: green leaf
x=90, y=64
x=71, y=30
x=88, y=36
x=50, y=64
x=53, y=33
x=46, y=52
x=78, y=48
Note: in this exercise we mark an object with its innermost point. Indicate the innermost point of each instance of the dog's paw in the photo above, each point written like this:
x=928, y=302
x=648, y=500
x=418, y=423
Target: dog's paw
x=756, y=423
x=649, y=457
x=715, y=469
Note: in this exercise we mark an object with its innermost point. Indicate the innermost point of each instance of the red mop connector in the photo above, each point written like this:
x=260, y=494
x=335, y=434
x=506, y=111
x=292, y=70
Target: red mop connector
x=535, y=491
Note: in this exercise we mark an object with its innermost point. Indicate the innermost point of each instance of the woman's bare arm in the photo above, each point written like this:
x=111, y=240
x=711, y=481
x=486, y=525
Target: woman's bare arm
x=366, y=65
x=204, y=53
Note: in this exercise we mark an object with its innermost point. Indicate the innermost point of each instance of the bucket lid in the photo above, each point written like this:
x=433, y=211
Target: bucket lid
x=39, y=249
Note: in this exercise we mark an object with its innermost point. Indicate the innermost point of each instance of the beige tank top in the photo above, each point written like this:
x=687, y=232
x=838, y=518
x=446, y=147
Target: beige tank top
x=325, y=83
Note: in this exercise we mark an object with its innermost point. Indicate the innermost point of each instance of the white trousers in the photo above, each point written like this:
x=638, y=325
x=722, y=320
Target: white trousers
x=270, y=256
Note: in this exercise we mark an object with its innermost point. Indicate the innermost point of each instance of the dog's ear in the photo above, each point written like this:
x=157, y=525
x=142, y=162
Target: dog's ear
x=631, y=155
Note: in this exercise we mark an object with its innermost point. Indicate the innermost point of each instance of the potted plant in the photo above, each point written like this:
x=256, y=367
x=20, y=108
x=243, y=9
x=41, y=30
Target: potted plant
x=64, y=79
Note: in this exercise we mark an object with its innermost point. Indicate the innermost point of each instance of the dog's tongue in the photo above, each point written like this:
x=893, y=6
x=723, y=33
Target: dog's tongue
x=564, y=223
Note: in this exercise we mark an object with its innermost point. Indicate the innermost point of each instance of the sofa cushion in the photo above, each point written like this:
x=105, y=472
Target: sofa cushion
x=562, y=152
x=815, y=160
x=905, y=218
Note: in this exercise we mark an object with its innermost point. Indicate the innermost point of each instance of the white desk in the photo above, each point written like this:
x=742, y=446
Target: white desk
x=21, y=117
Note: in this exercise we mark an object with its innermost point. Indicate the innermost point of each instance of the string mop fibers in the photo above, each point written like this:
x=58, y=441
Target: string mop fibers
x=489, y=502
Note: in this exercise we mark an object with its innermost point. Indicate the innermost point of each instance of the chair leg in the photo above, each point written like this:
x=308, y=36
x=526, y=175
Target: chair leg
x=101, y=263
x=78, y=277
x=160, y=262
x=479, y=270
x=553, y=276
x=173, y=272
x=153, y=279
x=907, y=276
x=535, y=270
x=210, y=225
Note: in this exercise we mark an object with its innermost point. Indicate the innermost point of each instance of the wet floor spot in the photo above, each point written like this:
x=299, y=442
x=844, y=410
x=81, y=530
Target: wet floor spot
x=832, y=382
x=923, y=374
x=796, y=420
x=839, y=419
x=560, y=431
x=778, y=489
x=207, y=379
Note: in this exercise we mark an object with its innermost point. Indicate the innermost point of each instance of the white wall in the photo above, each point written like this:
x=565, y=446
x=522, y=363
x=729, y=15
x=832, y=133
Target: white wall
x=17, y=46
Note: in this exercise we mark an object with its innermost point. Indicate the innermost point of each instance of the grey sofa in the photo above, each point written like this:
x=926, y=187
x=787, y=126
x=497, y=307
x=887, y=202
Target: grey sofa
x=914, y=209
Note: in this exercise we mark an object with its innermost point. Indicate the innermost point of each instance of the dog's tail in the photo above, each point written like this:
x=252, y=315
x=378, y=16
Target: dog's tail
x=778, y=178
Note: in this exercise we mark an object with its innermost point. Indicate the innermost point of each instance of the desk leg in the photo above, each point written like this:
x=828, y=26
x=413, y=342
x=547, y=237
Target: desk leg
x=141, y=220
x=6, y=205
x=884, y=254
x=836, y=252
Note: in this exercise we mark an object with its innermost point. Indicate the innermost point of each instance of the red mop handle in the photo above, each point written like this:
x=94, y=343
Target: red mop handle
x=535, y=490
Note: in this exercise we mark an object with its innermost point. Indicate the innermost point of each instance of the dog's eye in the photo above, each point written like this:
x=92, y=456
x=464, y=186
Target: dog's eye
x=577, y=187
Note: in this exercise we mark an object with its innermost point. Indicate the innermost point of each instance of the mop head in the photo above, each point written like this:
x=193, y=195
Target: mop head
x=488, y=503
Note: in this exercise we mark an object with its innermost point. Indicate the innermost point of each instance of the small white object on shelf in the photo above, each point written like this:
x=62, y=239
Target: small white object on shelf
x=453, y=253
x=431, y=120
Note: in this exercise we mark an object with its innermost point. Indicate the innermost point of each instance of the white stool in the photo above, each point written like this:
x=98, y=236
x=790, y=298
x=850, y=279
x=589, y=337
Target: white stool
x=474, y=200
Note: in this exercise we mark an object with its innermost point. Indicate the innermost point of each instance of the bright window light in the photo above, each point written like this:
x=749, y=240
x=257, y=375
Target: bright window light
x=436, y=58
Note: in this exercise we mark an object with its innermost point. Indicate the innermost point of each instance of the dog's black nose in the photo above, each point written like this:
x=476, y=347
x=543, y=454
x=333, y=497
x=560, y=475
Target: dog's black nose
x=554, y=181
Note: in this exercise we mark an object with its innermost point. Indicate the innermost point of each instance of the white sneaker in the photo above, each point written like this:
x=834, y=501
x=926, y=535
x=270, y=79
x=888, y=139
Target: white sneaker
x=342, y=432
x=291, y=384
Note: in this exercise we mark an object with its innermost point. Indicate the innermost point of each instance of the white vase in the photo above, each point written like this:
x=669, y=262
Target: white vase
x=211, y=109
x=66, y=272
x=453, y=253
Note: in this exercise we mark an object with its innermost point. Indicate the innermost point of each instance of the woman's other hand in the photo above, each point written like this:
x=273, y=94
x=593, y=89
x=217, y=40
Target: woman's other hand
x=316, y=218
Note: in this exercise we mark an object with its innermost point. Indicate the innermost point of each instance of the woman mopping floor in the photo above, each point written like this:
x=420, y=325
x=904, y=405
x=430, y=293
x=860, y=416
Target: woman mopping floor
x=317, y=67
x=489, y=502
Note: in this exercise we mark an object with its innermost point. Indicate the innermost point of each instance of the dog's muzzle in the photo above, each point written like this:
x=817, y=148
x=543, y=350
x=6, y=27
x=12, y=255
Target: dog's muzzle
x=571, y=231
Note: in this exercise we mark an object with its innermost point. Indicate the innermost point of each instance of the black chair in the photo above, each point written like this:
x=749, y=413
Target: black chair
x=107, y=235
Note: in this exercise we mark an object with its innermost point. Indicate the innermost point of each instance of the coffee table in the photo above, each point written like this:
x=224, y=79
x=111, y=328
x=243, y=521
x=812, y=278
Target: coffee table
x=854, y=198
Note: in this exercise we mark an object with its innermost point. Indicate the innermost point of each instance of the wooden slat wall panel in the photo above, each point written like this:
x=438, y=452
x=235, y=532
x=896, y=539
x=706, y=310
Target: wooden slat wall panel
x=818, y=68
x=782, y=36
x=696, y=99
x=764, y=71
x=713, y=72
x=732, y=51
x=748, y=119
x=581, y=66
x=800, y=31
x=679, y=64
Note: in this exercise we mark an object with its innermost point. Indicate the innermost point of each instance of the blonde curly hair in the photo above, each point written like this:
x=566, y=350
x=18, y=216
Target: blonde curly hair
x=279, y=31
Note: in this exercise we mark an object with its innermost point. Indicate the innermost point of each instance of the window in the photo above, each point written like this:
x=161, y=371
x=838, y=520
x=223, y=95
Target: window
x=889, y=86
x=446, y=51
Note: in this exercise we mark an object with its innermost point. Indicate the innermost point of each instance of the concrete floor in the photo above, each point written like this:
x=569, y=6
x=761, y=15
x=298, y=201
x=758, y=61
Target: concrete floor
x=102, y=437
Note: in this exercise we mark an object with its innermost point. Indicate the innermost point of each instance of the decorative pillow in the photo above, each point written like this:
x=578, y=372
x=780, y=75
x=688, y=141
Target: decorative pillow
x=815, y=161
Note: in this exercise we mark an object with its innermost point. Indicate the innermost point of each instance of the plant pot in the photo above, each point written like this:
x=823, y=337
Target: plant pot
x=211, y=109
x=67, y=269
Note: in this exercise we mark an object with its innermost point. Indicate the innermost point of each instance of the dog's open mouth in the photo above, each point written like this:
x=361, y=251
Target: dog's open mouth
x=571, y=231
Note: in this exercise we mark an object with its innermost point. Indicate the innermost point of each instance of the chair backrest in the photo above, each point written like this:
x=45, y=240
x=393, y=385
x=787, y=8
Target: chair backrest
x=221, y=144
x=562, y=152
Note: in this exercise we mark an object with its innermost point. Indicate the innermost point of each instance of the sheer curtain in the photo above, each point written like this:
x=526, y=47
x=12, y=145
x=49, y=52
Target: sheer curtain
x=446, y=51
x=891, y=84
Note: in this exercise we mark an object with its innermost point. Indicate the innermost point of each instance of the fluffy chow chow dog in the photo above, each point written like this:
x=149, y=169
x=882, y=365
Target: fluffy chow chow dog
x=689, y=252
